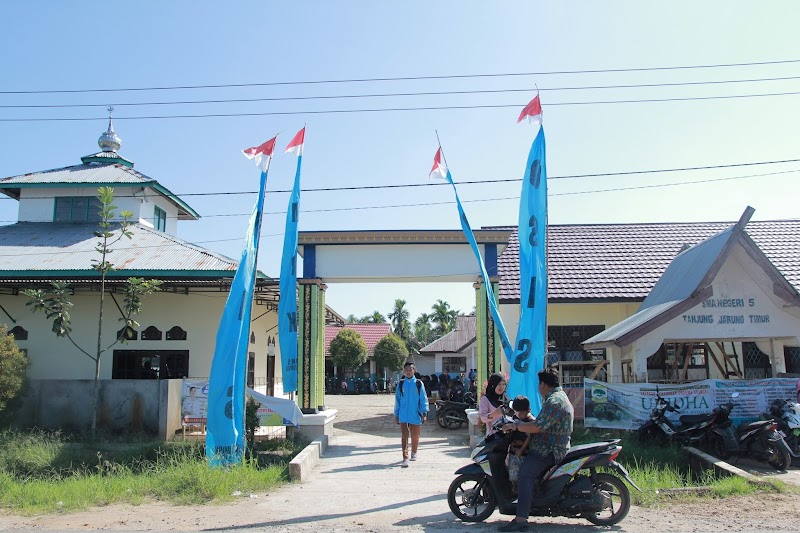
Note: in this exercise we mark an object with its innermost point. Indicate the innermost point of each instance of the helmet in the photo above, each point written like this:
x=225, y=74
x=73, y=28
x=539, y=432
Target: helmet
x=776, y=408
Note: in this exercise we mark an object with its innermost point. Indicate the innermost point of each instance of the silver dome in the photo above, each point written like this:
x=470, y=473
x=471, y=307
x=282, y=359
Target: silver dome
x=109, y=141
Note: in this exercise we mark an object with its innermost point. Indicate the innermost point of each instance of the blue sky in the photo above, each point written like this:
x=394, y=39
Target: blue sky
x=100, y=45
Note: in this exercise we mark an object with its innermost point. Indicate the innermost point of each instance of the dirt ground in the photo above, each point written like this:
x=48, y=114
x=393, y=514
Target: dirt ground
x=359, y=486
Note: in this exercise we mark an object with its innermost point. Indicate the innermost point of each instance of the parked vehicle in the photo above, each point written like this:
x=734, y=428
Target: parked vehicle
x=787, y=415
x=759, y=440
x=690, y=432
x=572, y=488
x=452, y=414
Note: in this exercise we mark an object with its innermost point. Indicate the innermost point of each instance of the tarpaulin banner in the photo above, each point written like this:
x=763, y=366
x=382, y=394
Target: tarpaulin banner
x=628, y=405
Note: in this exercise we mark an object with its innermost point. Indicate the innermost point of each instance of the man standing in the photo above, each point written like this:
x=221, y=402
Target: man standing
x=410, y=410
x=550, y=436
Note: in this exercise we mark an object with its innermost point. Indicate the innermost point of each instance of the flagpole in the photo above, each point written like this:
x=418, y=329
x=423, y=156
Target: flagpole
x=440, y=148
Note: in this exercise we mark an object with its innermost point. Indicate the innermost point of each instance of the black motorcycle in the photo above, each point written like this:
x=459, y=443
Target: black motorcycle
x=759, y=440
x=787, y=415
x=572, y=488
x=452, y=414
x=690, y=432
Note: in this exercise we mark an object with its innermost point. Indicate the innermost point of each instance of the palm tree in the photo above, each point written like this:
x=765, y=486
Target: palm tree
x=422, y=330
x=376, y=318
x=399, y=317
x=443, y=317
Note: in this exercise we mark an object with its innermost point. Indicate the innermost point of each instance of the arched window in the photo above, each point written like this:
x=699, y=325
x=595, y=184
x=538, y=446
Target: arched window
x=152, y=333
x=128, y=333
x=176, y=334
x=252, y=338
x=20, y=334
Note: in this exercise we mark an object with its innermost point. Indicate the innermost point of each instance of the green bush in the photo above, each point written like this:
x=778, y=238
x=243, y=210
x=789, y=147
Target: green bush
x=348, y=349
x=13, y=365
x=390, y=353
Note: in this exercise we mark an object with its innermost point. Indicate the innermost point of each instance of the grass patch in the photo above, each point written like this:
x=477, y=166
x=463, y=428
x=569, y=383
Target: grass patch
x=43, y=472
x=656, y=468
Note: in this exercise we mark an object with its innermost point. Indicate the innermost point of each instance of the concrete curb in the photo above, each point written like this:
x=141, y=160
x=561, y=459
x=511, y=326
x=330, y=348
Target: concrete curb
x=726, y=467
x=300, y=467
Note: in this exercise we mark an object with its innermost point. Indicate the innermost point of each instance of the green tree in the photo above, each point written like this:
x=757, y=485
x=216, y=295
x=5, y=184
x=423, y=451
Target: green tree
x=56, y=303
x=400, y=323
x=443, y=317
x=375, y=318
x=13, y=365
x=390, y=353
x=423, y=332
x=348, y=349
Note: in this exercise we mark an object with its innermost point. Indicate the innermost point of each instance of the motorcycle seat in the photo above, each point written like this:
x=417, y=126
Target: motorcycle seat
x=585, y=449
x=695, y=419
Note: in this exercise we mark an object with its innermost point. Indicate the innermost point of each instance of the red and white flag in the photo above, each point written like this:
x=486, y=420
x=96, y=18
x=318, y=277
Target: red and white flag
x=439, y=169
x=261, y=154
x=296, y=146
x=532, y=111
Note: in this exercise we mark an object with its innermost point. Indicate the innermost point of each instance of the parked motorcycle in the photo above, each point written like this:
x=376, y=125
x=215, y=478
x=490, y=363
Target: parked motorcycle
x=690, y=432
x=787, y=415
x=759, y=440
x=572, y=488
x=452, y=414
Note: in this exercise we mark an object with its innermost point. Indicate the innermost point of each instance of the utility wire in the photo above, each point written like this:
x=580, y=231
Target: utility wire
x=405, y=78
x=423, y=204
x=392, y=95
x=468, y=182
x=393, y=109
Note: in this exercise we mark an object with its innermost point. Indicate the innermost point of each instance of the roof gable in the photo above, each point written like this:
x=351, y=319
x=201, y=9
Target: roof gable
x=454, y=342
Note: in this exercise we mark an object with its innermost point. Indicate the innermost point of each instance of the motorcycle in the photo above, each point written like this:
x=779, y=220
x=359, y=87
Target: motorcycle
x=452, y=414
x=787, y=415
x=759, y=440
x=690, y=432
x=572, y=488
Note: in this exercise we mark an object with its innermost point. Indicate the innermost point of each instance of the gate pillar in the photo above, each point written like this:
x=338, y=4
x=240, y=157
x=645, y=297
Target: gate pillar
x=489, y=348
x=311, y=345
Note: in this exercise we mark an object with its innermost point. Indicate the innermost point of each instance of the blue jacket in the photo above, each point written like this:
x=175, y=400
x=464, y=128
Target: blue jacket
x=409, y=403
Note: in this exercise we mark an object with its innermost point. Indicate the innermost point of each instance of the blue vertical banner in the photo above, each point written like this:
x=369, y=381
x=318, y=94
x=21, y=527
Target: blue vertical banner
x=532, y=233
x=498, y=322
x=226, y=382
x=287, y=305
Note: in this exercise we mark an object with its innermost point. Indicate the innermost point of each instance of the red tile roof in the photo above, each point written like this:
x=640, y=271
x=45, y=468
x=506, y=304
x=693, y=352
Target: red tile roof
x=371, y=333
x=622, y=262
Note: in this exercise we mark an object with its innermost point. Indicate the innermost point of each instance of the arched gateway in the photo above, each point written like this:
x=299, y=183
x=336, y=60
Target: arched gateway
x=391, y=256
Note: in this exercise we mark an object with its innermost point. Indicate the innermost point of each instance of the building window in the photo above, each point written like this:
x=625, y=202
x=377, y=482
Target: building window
x=77, y=209
x=669, y=364
x=159, y=219
x=176, y=334
x=454, y=365
x=20, y=334
x=756, y=362
x=251, y=370
x=128, y=333
x=792, y=356
x=150, y=364
x=152, y=333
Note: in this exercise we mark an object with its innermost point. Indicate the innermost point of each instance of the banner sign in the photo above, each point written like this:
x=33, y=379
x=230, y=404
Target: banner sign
x=628, y=405
x=194, y=402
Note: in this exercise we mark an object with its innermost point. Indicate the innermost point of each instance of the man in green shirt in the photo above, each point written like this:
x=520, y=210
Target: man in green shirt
x=550, y=436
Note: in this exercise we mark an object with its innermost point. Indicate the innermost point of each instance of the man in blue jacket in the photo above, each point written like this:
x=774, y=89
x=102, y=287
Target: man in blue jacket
x=410, y=410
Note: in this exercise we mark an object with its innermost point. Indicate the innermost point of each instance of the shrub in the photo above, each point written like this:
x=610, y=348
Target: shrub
x=390, y=352
x=13, y=365
x=348, y=349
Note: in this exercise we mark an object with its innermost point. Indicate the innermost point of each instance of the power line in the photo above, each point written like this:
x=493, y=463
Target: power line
x=467, y=182
x=405, y=78
x=395, y=109
x=431, y=204
x=391, y=95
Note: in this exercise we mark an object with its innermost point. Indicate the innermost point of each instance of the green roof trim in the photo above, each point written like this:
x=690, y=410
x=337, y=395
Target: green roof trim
x=169, y=194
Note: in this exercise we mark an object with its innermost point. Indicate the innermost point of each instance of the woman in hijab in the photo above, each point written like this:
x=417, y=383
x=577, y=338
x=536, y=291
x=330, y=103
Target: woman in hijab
x=491, y=401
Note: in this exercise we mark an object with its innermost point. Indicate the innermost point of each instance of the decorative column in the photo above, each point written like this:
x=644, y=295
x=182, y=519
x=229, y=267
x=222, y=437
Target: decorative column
x=489, y=350
x=311, y=345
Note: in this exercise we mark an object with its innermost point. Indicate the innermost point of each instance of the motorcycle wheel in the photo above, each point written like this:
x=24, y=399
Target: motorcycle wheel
x=715, y=445
x=452, y=420
x=650, y=435
x=777, y=457
x=471, y=498
x=617, y=498
x=440, y=419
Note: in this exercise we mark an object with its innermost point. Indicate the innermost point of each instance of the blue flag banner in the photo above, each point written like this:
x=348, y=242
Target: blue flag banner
x=226, y=382
x=287, y=305
x=489, y=291
x=532, y=234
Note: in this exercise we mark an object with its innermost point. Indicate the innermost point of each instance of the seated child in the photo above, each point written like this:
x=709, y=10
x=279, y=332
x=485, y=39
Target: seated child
x=518, y=448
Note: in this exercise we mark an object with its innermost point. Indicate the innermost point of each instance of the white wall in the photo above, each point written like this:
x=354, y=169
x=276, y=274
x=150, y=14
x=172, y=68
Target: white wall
x=198, y=313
